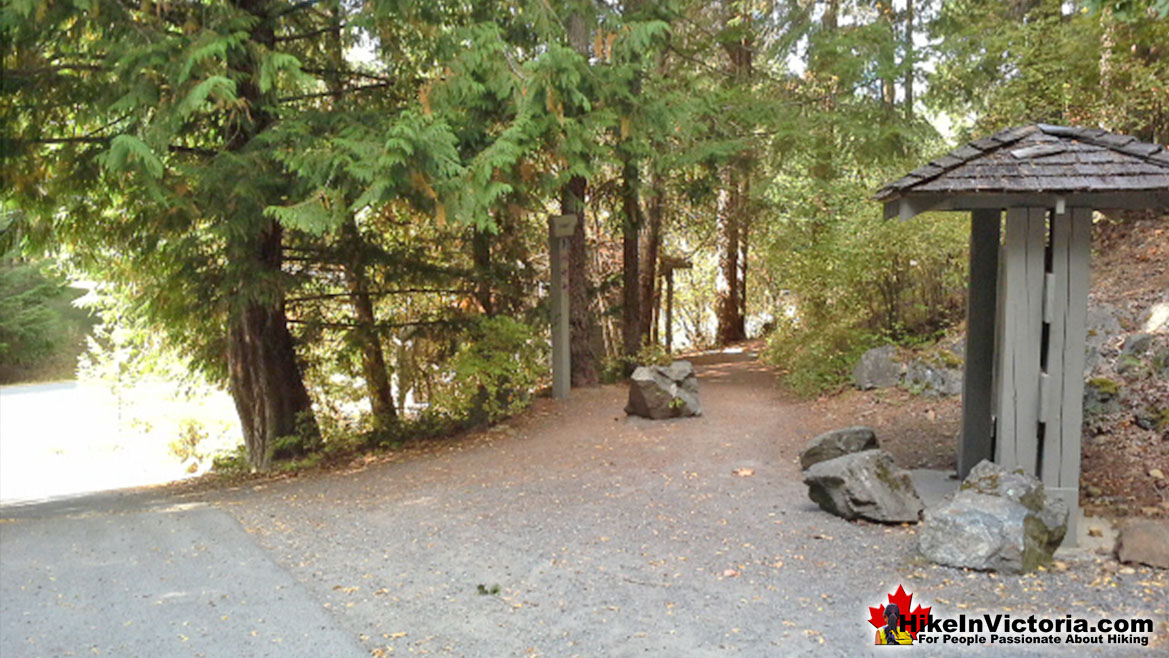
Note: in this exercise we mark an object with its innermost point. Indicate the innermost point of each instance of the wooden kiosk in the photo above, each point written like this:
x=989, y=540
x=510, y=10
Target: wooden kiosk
x=1031, y=191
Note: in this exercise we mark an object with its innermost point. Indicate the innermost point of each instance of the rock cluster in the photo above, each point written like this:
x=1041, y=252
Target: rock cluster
x=999, y=520
x=849, y=476
x=880, y=367
x=659, y=392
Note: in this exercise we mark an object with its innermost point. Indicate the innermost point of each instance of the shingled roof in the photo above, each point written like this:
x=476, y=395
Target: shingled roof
x=1038, y=161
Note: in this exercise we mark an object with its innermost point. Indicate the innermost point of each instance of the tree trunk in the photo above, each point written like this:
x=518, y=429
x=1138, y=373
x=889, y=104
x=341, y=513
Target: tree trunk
x=266, y=382
x=910, y=57
x=727, y=285
x=264, y=377
x=744, y=244
x=731, y=284
x=481, y=254
x=649, y=260
x=630, y=264
x=581, y=321
x=373, y=360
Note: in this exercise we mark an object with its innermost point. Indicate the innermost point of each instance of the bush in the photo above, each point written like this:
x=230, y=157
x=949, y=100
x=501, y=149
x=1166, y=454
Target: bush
x=814, y=361
x=494, y=370
x=40, y=331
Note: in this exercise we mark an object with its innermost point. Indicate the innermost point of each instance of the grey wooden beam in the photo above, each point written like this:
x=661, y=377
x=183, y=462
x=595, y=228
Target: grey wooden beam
x=560, y=229
x=914, y=203
x=977, y=443
x=1017, y=407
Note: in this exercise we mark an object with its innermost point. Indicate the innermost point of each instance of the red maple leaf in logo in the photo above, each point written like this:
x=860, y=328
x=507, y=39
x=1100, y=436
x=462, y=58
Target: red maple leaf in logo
x=920, y=615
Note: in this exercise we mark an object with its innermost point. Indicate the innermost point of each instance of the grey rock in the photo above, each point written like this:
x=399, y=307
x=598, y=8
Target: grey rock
x=990, y=479
x=1102, y=329
x=877, y=368
x=1144, y=542
x=838, y=443
x=1101, y=398
x=866, y=485
x=988, y=533
x=1127, y=364
x=1137, y=344
x=659, y=392
x=1147, y=419
x=933, y=380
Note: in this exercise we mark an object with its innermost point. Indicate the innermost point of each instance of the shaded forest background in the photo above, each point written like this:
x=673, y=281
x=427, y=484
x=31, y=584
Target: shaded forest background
x=338, y=210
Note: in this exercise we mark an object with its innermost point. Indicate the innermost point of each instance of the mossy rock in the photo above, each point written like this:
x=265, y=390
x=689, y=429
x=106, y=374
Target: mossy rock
x=1104, y=385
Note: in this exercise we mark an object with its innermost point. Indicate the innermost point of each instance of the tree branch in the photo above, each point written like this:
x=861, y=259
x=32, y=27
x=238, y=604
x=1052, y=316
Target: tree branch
x=302, y=97
x=309, y=35
x=377, y=293
x=376, y=325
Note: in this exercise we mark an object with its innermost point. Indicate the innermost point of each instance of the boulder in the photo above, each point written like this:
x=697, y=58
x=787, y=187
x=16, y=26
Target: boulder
x=659, y=392
x=1101, y=397
x=988, y=533
x=1103, y=328
x=991, y=479
x=838, y=443
x=866, y=485
x=934, y=380
x=1144, y=542
x=877, y=368
x=1000, y=520
x=1137, y=344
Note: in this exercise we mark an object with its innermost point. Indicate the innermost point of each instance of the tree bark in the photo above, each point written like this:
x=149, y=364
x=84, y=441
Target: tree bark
x=649, y=260
x=910, y=59
x=731, y=284
x=373, y=360
x=727, y=286
x=581, y=321
x=266, y=382
x=631, y=261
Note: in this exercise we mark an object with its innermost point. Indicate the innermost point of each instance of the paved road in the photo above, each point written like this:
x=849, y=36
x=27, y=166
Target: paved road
x=135, y=575
x=67, y=438
x=592, y=534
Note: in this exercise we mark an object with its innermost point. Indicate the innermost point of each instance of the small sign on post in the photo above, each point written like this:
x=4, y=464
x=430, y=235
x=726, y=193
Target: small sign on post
x=560, y=228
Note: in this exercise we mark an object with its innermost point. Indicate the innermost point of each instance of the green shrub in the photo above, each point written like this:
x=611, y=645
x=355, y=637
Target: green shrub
x=494, y=371
x=618, y=368
x=814, y=360
x=40, y=330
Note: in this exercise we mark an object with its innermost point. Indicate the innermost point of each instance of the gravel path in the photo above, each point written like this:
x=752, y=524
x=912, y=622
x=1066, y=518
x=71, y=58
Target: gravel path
x=593, y=534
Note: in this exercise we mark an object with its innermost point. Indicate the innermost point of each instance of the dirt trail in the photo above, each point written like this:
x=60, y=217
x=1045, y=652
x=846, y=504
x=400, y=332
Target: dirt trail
x=616, y=536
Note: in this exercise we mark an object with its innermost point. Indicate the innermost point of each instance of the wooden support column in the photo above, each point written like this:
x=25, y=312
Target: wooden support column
x=1017, y=405
x=977, y=442
x=669, y=264
x=670, y=310
x=1071, y=235
x=560, y=228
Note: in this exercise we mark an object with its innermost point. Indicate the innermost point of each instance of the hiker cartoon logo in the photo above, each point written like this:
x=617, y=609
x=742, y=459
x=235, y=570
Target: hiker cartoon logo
x=895, y=623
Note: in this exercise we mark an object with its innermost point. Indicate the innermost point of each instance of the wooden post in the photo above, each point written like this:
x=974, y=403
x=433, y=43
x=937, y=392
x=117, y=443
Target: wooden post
x=1017, y=406
x=669, y=264
x=560, y=228
x=1071, y=234
x=977, y=443
x=670, y=310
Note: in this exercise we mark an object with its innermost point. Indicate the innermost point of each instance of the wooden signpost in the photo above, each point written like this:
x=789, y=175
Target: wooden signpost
x=560, y=228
